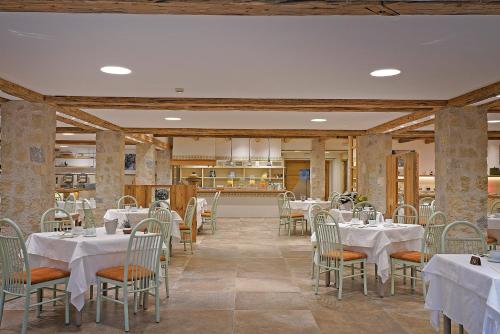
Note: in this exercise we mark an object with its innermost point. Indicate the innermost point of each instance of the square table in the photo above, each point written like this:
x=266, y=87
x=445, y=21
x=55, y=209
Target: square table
x=464, y=293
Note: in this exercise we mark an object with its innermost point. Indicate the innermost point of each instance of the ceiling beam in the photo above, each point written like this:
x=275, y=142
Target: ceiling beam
x=476, y=95
x=414, y=126
x=21, y=92
x=399, y=121
x=73, y=122
x=210, y=104
x=257, y=7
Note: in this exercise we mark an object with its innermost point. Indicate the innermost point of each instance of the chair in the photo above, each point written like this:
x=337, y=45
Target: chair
x=431, y=244
x=331, y=255
x=405, y=214
x=185, y=227
x=210, y=217
x=70, y=204
x=290, y=195
x=361, y=207
x=127, y=200
x=88, y=215
x=140, y=272
x=164, y=216
x=288, y=218
x=20, y=281
x=462, y=237
x=158, y=204
x=495, y=207
x=425, y=210
x=216, y=196
x=311, y=214
x=56, y=219
x=333, y=195
x=342, y=202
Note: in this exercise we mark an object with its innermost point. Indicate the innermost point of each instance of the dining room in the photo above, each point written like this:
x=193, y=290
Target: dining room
x=250, y=166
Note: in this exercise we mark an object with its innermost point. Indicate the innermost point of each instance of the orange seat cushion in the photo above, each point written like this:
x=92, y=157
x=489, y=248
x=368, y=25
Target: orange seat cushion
x=163, y=258
x=347, y=255
x=411, y=256
x=206, y=214
x=491, y=240
x=118, y=273
x=45, y=274
x=208, y=211
x=184, y=227
x=297, y=215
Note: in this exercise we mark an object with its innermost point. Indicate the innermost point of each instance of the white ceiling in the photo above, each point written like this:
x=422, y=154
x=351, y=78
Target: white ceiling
x=233, y=56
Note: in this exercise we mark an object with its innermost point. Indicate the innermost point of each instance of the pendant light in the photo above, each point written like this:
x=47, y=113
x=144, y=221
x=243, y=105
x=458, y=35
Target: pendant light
x=249, y=162
x=231, y=163
x=269, y=163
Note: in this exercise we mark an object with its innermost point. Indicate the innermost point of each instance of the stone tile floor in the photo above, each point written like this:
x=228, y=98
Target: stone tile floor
x=247, y=279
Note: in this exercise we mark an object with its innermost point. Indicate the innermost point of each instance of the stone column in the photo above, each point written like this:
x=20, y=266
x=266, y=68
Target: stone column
x=318, y=168
x=110, y=169
x=27, y=183
x=372, y=153
x=145, y=161
x=164, y=167
x=461, y=137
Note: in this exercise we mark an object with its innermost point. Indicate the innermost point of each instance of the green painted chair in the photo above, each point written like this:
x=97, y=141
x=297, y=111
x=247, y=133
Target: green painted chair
x=425, y=210
x=283, y=219
x=186, y=226
x=290, y=195
x=495, y=207
x=158, y=204
x=88, y=215
x=331, y=255
x=361, y=207
x=431, y=245
x=19, y=280
x=342, y=202
x=56, y=219
x=210, y=217
x=462, y=237
x=164, y=216
x=127, y=200
x=292, y=218
x=140, y=273
x=70, y=204
x=405, y=214
x=311, y=214
x=333, y=195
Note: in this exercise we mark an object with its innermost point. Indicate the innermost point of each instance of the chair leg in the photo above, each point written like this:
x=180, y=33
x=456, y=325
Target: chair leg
x=392, y=277
x=39, y=298
x=117, y=290
x=136, y=300
x=2, y=302
x=54, y=294
x=191, y=243
x=91, y=292
x=317, y=280
x=157, y=303
x=312, y=262
x=341, y=280
x=98, y=302
x=66, y=304
x=125, y=307
x=166, y=280
x=404, y=274
x=26, y=313
x=352, y=272
x=365, y=285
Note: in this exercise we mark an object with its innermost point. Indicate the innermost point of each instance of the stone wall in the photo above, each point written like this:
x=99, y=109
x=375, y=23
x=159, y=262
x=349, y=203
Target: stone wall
x=145, y=163
x=318, y=168
x=110, y=165
x=461, y=163
x=372, y=153
x=27, y=182
x=164, y=167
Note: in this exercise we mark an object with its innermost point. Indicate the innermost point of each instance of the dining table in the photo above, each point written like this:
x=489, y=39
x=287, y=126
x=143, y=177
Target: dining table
x=299, y=205
x=464, y=293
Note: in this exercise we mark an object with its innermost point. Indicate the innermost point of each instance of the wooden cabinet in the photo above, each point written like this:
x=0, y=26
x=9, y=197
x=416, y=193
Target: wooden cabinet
x=402, y=180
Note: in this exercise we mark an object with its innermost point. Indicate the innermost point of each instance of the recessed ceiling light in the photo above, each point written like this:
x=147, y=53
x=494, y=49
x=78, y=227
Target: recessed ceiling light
x=68, y=134
x=318, y=120
x=63, y=146
x=494, y=121
x=172, y=118
x=385, y=72
x=115, y=70
x=179, y=90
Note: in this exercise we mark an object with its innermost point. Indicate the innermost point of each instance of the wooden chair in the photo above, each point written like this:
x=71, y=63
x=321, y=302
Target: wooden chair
x=210, y=217
x=331, y=255
x=20, y=281
x=405, y=214
x=127, y=200
x=311, y=214
x=140, y=272
x=185, y=227
x=462, y=237
x=431, y=244
x=164, y=216
x=50, y=222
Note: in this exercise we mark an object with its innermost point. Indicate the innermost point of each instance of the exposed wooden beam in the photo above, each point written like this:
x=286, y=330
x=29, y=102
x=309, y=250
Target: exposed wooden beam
x=21, y=92
x=74, y=129
x=245, y=133
x=73, y=122
x=75, y=142
x=3, y=99
x=400, y=121
x=476, y=95
x=84, y=116
x=429, y=140
x=414, y=126
x=430, y=135
x=406, y=140
x=314, y=105
x=257, y=7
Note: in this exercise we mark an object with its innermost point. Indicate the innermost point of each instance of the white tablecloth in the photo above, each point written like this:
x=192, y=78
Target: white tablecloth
x=305, y=205
x=135, y=217
x=201, y=205
x=493, y=222
x=346, y=215
x=467, y=294
x=81, y=255
x=79, y=205
x=379, y=242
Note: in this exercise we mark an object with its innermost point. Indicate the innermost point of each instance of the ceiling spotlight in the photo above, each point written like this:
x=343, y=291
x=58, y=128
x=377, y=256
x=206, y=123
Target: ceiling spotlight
x=118, y=70
x=172, y=118
x=68, y=134
x=63, y=146
x=494, y=121
x=179, y=90
x=318, y=120
x=385, y=72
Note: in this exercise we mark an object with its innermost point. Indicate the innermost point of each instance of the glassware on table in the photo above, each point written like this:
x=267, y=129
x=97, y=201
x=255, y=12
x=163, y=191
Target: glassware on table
x=89, y=232
x=77, y=230
x=302, y=198
x=355, y=221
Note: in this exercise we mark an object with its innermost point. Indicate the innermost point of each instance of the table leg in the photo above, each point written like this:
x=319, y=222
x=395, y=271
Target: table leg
x=446, y=324
x=381, y=287
x=78, y=317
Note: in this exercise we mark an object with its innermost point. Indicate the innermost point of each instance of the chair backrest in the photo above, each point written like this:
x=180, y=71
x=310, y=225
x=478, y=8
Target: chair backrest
x=188, y=215
x=425, y=201
x=333, y=195
x=157, y=204
x=495, y=207
x=360, y=208
x=431, y=243
x=329, y=241
x=70, y=204
x=433, y=205
x=312, y=212
x=290, y=195
x=462, y=237
x=425, y=210
x=56, y=219
x=127, y=200
x=164, y=216
x=342, y=202
x=88, y=214
x=143, y=252
x=16, y=274
x=405, y=214
x=215, y=205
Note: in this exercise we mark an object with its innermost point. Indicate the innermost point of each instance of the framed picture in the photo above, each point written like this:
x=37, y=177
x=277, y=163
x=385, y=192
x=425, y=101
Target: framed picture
x=129, y=161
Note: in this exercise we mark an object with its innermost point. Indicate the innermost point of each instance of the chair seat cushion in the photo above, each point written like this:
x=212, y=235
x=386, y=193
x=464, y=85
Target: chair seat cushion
x=347, y=255
x=184, y=227
x=206, y=214
x=118, y=273
x=45, y=274
x=163, y=258
x=491, y=240
x=411, y=256
x=297, y=215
